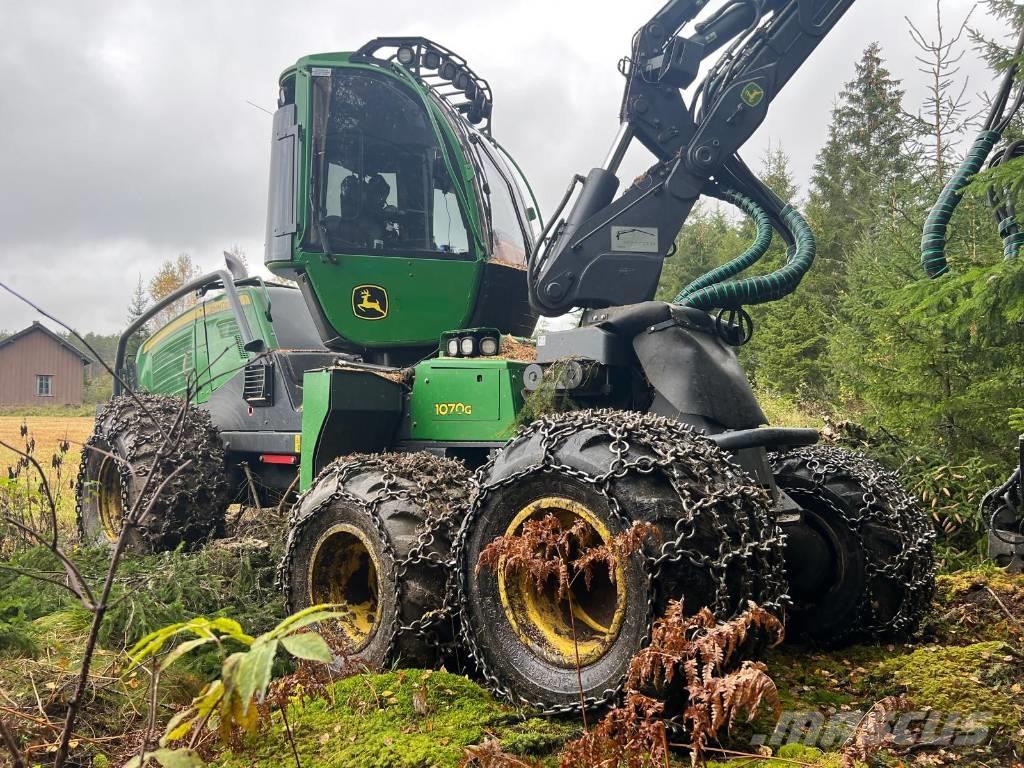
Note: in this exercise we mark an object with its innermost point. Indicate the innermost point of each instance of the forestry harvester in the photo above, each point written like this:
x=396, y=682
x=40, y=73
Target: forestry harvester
x=397, y=380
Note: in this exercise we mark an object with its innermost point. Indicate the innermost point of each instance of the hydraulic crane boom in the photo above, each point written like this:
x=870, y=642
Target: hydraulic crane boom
x=609, y=251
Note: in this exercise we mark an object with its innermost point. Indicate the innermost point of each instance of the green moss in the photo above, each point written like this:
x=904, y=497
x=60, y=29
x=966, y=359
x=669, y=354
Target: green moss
x=964, y=679
x=952, y=586
x=788, y=754
x=809, y=679
x=976, y=606
x=371, y=721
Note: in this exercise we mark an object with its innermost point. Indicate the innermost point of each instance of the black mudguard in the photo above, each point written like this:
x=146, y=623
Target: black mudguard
x=697, y=379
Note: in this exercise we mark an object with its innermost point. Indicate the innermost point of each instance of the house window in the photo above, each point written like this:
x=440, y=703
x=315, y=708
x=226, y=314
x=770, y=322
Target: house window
x=44, y=384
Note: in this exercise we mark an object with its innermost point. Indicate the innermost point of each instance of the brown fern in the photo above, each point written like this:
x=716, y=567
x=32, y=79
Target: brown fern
x=701, y=668
x=631, y=736
x=544, y=549
x=872, y=732
x=715, y=702
x=700, y=646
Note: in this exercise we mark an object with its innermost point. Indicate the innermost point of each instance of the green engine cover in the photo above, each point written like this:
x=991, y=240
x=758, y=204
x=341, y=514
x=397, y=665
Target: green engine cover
x=465, y=400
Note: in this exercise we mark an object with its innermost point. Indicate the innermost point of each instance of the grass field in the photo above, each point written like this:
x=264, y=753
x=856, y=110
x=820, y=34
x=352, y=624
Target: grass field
x=48, y=432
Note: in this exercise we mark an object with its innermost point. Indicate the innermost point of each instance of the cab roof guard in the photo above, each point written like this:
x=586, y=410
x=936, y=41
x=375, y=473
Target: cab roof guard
x=443, y=71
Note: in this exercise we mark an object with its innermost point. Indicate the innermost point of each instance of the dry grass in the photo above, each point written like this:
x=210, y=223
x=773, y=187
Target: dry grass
x=48, y=431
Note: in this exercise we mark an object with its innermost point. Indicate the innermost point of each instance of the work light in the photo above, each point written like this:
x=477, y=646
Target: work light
x=406, y=56
x=453, y=347
x=448, y=70
x=431, y=60
x=467, y=346
x=488, y=346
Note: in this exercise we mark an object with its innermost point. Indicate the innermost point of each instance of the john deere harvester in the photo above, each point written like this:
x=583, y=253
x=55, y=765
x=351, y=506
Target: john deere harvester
x=424, y=265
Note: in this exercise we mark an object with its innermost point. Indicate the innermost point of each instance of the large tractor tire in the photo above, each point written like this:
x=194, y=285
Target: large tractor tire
x=373, y=536
x=602, y=471
x=122, y=453
x=861, y=566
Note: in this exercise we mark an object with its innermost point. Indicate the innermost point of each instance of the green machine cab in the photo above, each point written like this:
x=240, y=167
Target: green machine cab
x=390, y=203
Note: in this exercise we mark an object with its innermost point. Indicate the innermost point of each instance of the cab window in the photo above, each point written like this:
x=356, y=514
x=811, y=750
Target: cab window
x=380, y=182
x=509, y=246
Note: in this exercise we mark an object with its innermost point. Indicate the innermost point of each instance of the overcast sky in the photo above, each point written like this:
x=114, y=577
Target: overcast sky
x=128, y=138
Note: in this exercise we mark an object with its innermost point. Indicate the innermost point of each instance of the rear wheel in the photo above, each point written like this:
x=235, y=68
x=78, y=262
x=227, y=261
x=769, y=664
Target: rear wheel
x=599, y=472
x=373, y=536
x=861, y=564
x=123, y=451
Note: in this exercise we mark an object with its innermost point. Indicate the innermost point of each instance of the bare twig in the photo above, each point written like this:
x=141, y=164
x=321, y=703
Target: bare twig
x=12, y=745
x=100, y=609
x=1006, y=610
x=291, y=739
x=752, y=756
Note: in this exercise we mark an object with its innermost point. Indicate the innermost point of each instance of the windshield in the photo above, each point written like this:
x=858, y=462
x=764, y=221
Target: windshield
x=509, y=230
x=380, y=182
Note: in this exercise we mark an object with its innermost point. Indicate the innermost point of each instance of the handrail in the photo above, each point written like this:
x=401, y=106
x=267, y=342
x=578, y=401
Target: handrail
x=206, y=281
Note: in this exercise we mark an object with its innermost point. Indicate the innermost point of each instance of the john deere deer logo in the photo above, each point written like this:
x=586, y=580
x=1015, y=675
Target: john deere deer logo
x=369, y=302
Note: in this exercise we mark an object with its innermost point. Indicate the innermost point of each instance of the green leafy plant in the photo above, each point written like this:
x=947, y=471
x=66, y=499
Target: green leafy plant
x=1016, y=419
x=230, y=702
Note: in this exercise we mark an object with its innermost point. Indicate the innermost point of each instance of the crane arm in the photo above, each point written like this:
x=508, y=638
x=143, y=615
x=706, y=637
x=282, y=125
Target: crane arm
x=609, y=250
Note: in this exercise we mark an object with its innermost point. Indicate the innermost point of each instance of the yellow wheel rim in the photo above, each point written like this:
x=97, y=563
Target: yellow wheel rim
x=108, y=499
x=343, y=571
x=588, y=622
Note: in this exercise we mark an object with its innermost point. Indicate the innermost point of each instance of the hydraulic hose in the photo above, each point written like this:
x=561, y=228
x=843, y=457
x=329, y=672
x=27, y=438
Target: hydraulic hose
x=1003, y=207
x=933, y=239
x=1013, y=238
x=763, y=288
x=748, y=258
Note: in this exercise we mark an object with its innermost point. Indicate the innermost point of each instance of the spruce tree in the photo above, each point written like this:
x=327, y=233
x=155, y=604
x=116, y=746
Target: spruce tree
x=863, y=162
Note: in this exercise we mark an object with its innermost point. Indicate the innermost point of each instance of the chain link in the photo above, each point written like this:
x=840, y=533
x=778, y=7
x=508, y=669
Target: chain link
x=883, y=502
x=436, y=488
x=711, y=491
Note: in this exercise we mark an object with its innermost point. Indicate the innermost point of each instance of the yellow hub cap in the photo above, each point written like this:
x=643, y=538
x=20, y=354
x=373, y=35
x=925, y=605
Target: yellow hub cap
x=587, y=622
x=343, y=571
x=108, y=499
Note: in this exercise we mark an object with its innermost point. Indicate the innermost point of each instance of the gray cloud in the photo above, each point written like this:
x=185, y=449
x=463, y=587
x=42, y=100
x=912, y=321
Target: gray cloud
x=128, y=137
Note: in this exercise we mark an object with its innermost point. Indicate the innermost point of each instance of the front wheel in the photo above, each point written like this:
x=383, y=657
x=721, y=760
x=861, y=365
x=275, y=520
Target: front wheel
x=596, y=473
x=860, y=564
x=373, y=536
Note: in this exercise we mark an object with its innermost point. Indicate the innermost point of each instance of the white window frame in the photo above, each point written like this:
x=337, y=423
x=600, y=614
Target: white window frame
x=48, y=377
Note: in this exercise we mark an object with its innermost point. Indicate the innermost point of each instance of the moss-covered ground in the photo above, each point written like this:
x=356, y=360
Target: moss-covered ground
x=968, y=660
x=403, y=719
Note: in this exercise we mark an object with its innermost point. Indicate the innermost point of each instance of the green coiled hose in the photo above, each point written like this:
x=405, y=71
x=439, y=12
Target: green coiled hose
x=763, y=288
x=748, y=258
x=933, y=239
x=1013, y=238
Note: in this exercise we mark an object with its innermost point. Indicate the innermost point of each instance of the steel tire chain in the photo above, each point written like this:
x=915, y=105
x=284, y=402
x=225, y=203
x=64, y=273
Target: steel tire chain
x=124, y=417
x=675, y=445
x=885, y=502
x=430, y=485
